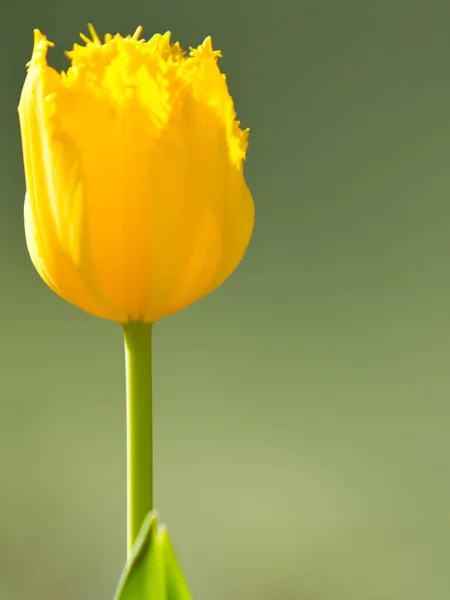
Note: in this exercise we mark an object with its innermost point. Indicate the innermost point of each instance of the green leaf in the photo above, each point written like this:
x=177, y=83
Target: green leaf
x=153, y=572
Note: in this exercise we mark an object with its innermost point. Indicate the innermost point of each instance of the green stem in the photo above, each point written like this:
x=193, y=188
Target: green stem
x=138, y=359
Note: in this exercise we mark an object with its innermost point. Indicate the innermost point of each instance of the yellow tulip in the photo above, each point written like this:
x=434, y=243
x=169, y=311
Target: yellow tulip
x=136, y=201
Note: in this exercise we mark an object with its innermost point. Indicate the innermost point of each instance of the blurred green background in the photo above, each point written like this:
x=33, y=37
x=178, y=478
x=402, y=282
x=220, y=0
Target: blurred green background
x=302, y=413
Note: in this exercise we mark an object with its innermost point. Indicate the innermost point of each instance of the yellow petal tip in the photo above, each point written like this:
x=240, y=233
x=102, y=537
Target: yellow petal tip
x=137, y=33
x=206, y=49
x=94, y=35
x=40, y=45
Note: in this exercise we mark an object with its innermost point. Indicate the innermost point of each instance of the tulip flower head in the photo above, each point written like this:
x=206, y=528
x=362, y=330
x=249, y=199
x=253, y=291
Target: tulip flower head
x=136, y=201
